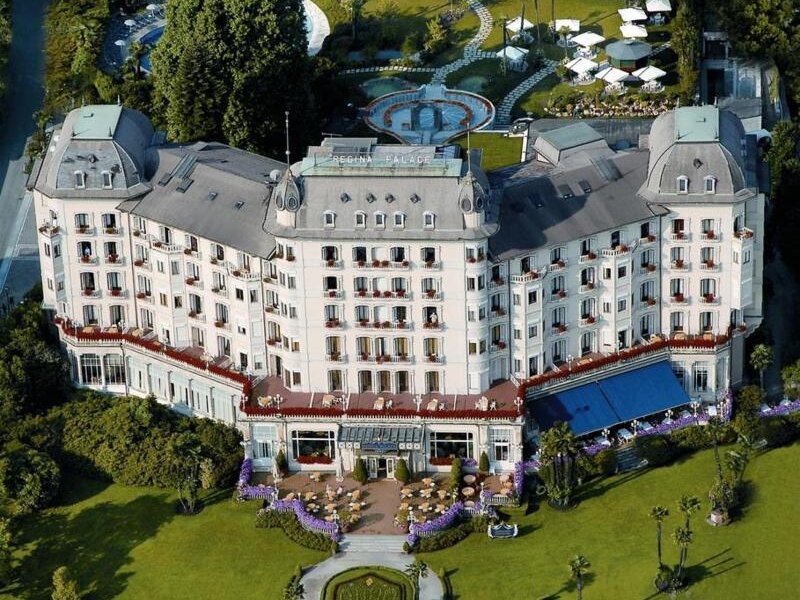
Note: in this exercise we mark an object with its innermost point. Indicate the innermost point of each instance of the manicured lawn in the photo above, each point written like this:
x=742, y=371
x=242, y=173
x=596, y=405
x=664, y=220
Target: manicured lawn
x=495, y=86
x=498, y=150
x=369, y=583
x=123, y=542
x=752, y=558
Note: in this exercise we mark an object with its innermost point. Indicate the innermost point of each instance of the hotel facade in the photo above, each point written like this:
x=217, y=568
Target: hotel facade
x=387, y=300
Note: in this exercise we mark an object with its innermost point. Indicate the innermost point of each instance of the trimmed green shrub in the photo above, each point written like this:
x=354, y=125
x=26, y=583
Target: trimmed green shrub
x=483, y=463
x=605, y=462
x=401, y=472
x=456, y=473
x=452, y=536
x=294, y=531
x=655, y=449
x=281, y=462
x=30, y=478
x=360, y=471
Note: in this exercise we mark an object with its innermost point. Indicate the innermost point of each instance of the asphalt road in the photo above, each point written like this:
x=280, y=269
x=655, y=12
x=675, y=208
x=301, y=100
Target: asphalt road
x=25, y=93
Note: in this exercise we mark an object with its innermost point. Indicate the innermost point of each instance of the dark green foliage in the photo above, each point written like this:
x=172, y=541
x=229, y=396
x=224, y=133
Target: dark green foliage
x=686, y=43
x=360, y=471
x=483, y=463
x=401, y=472
x=456, y=473
x=29, y=478
x=777, y=431
x=605, y=462
x=230, y=68
x=452, y=536
x=125, y=440
x=5, y=550
x=64, y=586
x=655, y=449
x=281, y=462
x=293, y=530
x=559, y=464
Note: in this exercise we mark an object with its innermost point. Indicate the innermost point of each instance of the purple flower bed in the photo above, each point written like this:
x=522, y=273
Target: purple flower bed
x=307, y=520
x=784, y=409
x=469, y=462
x=245, y=472
x=443, y=521
x=519, y=478
x=253, y=492
x=593, y=449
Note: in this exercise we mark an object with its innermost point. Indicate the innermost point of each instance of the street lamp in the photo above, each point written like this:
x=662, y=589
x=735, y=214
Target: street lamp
x=669, y=414
x=606, y=433
x=635, y=426
x=695, y=405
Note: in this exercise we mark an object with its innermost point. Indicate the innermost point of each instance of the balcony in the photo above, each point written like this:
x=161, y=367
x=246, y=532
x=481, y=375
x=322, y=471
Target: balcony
x=114, y=259
x=337, y=357
x=50, y=230
x=402, y=358
x=587, y=258
x=195, y=283
x=709, y=299
x=336, y=294
x=384, y=295
x=710, y=236
x=619, y=250
x=432, y=264
x=365, y=358
x=143, y=264
x=112, y=230
x=220, y=291
x=197, y=316
x=432, y=294
x=647, y=269
x=476, y=260
x=587, y=288
x=334, y=324
x=118, y=293
x=588, y=321
x=435, y=359
x=525, y=277
x=498, y=346
x=496, y=283
x=87, y=260
x=679, y=265
x=558, y=265
x=166, y=248
x=193, y=253
x=679, y=236
x=84, y=230
x=91, y=293
x=498, y=313
x=559, y=329
x=648, y=302
x=244, y=274
x=558, y=295
x=648, y=239
x=332, y=263
x=432, y=325
x=145, y=297
x=220, y=324
x=709, y=265
x=744, y=233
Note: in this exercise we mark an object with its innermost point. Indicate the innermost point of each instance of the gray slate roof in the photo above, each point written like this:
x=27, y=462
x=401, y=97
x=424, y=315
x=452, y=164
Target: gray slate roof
x=535, y=214
x=226, y=200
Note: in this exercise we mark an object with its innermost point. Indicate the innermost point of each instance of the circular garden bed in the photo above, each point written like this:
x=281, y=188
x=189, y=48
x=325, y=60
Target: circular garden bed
x=369, y=583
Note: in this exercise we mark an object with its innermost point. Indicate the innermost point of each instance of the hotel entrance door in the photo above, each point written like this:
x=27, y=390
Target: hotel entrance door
x=380, y=467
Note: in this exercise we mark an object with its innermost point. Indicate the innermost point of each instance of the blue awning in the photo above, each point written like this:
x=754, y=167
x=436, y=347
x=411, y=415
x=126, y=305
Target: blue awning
x=613, y=400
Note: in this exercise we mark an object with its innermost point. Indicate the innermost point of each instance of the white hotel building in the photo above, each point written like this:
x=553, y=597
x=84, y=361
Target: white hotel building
x=382, y=299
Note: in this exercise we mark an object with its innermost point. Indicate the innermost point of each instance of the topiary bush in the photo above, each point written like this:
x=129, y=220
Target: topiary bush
x=456, y=473
x=360, y=471
x=281, y=462
x=483, y=463
x=401, y=472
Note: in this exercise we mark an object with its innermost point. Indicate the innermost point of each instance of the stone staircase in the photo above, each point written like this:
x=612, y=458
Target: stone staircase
x=381, y=544
x=628, y=460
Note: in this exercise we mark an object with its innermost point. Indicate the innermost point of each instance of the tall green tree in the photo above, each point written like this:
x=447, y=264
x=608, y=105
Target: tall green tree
x=578, y=569
x=64, y=586
x=185, y=456
x=234, y=67
x=558, y=454
x=761, y=358
x=683, y=538
x=686, y=43
x=353, y=9
x=5, y=550
x=688, y=505
x=791, y=380
x=658, y=514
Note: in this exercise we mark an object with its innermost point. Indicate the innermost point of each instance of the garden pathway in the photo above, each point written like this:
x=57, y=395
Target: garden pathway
x=472, y=51
x=368, y=550
x=503, y=115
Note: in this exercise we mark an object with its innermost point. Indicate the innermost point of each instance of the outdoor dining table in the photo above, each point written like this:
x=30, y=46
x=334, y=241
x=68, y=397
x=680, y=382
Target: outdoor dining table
x=406, y=492
x=289, y=496
x=469, y=504
x=468, y=492
x=440, y=508
x=425, y=493
x=428, y=481
x=425, y=506
x=442, y=494
x=503, y=478
x=330, y=507
x=469, y=479
x=309, y=496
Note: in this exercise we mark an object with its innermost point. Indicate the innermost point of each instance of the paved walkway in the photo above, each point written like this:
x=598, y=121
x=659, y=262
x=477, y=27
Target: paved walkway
x=472, y=51
x=503, y=116
x=364, y=551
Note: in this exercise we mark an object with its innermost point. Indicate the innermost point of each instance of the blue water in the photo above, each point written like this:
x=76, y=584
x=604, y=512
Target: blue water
x=151, y=39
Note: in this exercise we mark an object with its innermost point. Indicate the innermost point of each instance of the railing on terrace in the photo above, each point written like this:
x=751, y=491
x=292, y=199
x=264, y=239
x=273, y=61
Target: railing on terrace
x=391, y=414
x=525, y=277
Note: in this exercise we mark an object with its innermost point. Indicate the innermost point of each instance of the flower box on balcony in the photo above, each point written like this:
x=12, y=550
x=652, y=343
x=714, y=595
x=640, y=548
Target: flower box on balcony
x=111, y=230
x=710, y=235
x=679, y=235
x=650, y=238
x=498, y=281
x=187, y=251
x=364, y=356
x=236, y=273
x=140, y=295
x=405, y=263
x=591, y=320
x=678, y=297
x=441, y=461
x=561, y=328
x=679, y=263
x=376, y=263
x=330, y=262
x=650, y=267
x=219, y=323
x=500, y=312
x=377, y=324
x=742, y=328
x=386, y=325
x=559, y=263
x=589, y=285
x=363, y=322
x=430, y=293
x=384, y=263
x=271, y=342
x=361, y=263
x=621, y=248
x=136, y=233
x=382, y=358
x=332, y=293
x=562, y=293
x=290, y=258
x=400, y=293
x=709, y=263
x=314, y=459
x=269, y=309
x=428, y=264
x=387, y=294
x=138, y=262
x=501, y=345
x=376, y=294
x=88, y=291
x=112, y=258
x=432, y=358
x=330, y=323
x=116, y=291
x=361, y=293
x=190, y=281
x=334, y=356
x=401, y=324
x=157, y=244
x=472, y=260
x=650, y=301
x=431, y=325
x=531, y=274
x=709, y=297
x=213, y=261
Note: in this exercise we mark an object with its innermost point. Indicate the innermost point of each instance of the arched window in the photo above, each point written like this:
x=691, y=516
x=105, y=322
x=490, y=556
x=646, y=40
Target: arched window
x=361, y=219
x=90, y=369
x=399, y=220
x=329, y=219
x=683, y=184
x=428, y=220
x=380, y=220
x=710, y=184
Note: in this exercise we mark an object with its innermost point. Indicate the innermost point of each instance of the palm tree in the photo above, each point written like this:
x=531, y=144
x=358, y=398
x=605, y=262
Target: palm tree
x=559, y=449
x=682, y=538
x=658, y=514
x=761, y=359
x=687, y=505
x=417, y=570
x=562, y=33
x=578, y=567
x=716, y=431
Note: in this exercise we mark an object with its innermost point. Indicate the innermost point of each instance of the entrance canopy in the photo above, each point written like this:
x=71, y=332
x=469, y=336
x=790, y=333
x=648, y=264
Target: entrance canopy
x=613, y=400
x=380, y=439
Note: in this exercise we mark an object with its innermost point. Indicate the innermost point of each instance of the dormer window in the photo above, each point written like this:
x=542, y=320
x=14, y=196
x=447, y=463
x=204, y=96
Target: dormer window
x=380, y=220
x=108, y=180
x=399, y=220
x=429, y=220
x=710, y=184
x=683, y=184
x=80, y=179
x=361, y=219
x=329, y=219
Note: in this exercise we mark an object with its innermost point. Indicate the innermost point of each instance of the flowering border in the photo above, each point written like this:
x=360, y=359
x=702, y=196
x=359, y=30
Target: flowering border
x=253, y=492
x=305, y=519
